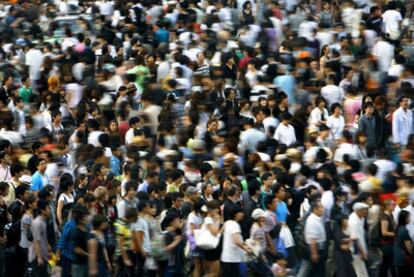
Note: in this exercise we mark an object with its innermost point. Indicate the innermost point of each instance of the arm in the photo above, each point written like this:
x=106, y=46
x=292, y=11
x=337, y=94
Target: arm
x=173, y=244
x=92, y=250
x=384, y=229
x=138, y=238
x=237, y=239
x=59, y=212
x=214, y=230
x=124, y=254
x=408, y=246
x=314, y=251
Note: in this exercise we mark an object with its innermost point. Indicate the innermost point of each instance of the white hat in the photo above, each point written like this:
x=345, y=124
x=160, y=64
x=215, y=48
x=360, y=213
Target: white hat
x=258, y=213
x=359, y=206
x=26, y=179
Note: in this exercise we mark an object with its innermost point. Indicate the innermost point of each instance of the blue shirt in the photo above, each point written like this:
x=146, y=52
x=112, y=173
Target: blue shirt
x=37, y=181
x=286, y=83
x=162, y=36
x=143, y=187
x=115, y=165
x=65, y=245
x=281, y=212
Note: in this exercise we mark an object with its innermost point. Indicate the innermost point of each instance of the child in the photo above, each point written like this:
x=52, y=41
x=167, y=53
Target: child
x=279, y=266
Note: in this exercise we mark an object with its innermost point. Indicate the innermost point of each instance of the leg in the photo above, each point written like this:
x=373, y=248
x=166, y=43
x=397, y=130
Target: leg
x=197, y=267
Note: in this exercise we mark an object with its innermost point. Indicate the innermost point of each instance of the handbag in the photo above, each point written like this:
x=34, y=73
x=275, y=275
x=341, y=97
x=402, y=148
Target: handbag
x=204, y=239
x=287, y=237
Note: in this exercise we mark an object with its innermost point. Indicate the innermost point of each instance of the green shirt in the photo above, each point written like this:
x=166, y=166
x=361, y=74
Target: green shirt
x=141, y=73
x=25, y=94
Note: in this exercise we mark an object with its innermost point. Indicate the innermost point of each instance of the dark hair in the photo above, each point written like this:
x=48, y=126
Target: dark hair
x=97, y=220
x=268, y=199
x=131, y=185
x=29, y=200
x=334, y=106
x=253, y=186
x=130, y=213
x=199, y=203
x=39, y=161
x=402, y=217
x=3, y=186
x=42, y=204
x=20, y=191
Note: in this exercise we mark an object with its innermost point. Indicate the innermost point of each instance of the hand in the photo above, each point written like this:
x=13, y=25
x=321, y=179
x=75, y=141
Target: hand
x=40, y=261
x=93, y=272
x=364, y=256
x=109, y=266
x=128, y=262
x=314, y=257
x=3, y=240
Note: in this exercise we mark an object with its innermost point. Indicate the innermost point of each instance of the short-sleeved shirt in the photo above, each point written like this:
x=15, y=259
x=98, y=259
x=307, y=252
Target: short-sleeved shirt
x=80, y=239
x=142, y=225
x=231, y=252
x=25, y=223
x=391, y=226
x=39, y=231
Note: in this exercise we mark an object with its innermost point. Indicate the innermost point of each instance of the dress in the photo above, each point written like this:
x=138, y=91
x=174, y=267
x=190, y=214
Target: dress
x=343, y=259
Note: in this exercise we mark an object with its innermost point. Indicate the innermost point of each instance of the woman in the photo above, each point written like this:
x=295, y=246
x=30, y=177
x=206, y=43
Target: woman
x=81, y=184
x=114, y=137
x=336, y=122
x=206, y=192
x=210, y=136
x=98, y=260
x=343, y=244
x=247, y=15
x=360, y=146
x=194, y=222
x=212, y=222
x=123, y=253
x=54, y=90
x=403, y=246
x=282, y=105
x=319, y=114
x=98, y=173
x=387, y=235
x=233, y=244
x=65, y=198
x=101, y=196
x=25, y=240
x=257, y=231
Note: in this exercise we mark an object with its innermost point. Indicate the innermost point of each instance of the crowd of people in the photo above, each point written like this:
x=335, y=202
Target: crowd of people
x=206, y=138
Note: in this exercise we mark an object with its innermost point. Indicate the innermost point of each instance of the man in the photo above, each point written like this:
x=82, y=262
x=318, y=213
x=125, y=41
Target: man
x=357, y=232
x=374, y=22
x=151, y=179
x=16, y=171
x=392, y=22
x=285, y=133
x=40, y=178
x=5, y=174
x=367, y=125
x=331, y=92
x=251, y=137
x=133, y=125
x=34, y=60
x=402, y=123
x=36, y=150
x=79, y=240
x=190, y=197
x=39, y=250
x=323, y=139
x=315, y=237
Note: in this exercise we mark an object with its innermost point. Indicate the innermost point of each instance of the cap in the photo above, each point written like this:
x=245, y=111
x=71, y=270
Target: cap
x=191, y=190
x=258, y=213
x=204, y=209
x=25, y=179
x=198, y=144
x=323, y=127
x=359, y=206
x=109, y=67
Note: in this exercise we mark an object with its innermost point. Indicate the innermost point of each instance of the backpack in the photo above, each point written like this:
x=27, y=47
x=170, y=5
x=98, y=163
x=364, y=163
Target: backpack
x=302, y=247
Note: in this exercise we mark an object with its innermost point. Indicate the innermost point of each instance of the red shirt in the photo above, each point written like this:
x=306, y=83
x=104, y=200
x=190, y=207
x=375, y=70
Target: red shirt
x=123, y=127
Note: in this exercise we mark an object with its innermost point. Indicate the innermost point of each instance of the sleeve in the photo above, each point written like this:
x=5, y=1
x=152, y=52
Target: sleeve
x=208, y=221
x=63, y=236
x=36, y=183
x=234, y=228
x=395, y=127
x=121, y=209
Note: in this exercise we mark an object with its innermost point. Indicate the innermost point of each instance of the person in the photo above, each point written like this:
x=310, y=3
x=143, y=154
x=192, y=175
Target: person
x=26, y=234
x=403, y=246
x=39, y=178
x=193, y=223
x=387, y=238
x=285, y=133
x=233, y=245
x=125, y=257
x=315, y=237
x=212, y=222
x=343, y=244
x=141, y=235
x=129, y=200
x=79, y=240
x=98, y=260
x=402, y=123
x=357, y=233
x=39, y=250
x=65, y=198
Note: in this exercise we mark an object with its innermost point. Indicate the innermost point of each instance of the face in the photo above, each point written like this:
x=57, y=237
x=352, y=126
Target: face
x=370, y=110
x=239, y=216
x=42, y=166
x=282, y=193
x=131, y=193
x=46, y=211
x=178, y=202
x=319, y=210
x=113, y=127
x=337, y=111
x=9, y=82
x=404, y=103
x=273, y=205
x=208, y=190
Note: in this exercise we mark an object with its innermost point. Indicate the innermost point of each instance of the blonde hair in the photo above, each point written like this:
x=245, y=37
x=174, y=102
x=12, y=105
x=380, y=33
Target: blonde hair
x=53, y=82
x=100, y=192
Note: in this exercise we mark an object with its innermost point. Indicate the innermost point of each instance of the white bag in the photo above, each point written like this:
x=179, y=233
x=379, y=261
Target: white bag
x=287, y=237
x=204, y=239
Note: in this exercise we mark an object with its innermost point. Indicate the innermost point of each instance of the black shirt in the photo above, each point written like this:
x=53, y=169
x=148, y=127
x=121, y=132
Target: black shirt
x=79, y=239
x=31, y=164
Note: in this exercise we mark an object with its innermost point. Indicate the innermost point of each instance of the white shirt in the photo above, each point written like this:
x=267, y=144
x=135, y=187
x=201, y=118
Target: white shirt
x=93, y=138
x=285, y=134
x=270, y=121
x=396, y=70
x=231, y=253
x=384, y=53
x=385, y=167
x=314, y=229
x=332, y=94
x=250, y=138
x=356, y=230
x=345, y=148
x=34, y=59
x=390, y=19
x=327, y=201
x=402, y=125
x=337, y=125
x=5, y=175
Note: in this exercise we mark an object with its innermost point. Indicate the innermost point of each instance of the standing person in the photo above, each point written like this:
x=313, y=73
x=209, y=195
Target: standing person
x=65, y=198
x=343, y=243
x=99, y=264
x=233, y=244
x=124, y=255
x=141, y=235
x=129, y=201
x=193, y=223
x=402, y=123
x=367, y=125
x=357, y=233
x=212, y=222
x=5, y=175
x=4, y=190
x=39, y=250
x=25, y=240
x=39, y=178
x=315, y=237
x=387, y=233
x=79, y=240
x=403, y=246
